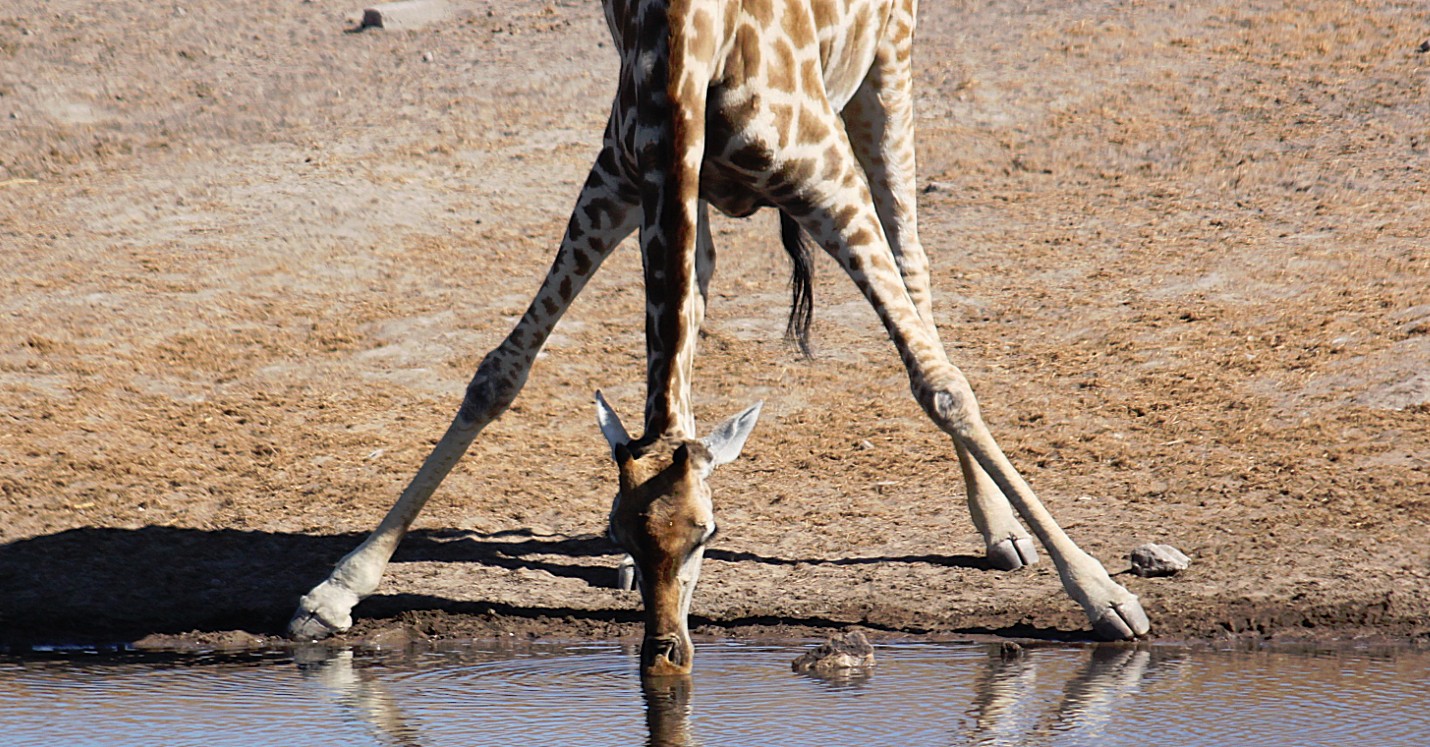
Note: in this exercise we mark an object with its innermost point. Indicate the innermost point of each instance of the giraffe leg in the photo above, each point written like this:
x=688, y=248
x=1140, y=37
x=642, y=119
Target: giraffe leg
x=603, y=216
x=836, y=210
x=704, y=251
x=879, y=120
x=1009, y=545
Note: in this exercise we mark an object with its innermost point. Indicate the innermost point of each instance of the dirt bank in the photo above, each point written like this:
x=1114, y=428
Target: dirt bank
x=249, y=262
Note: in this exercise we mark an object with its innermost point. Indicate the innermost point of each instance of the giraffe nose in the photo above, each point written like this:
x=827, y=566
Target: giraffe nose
x=668, y=648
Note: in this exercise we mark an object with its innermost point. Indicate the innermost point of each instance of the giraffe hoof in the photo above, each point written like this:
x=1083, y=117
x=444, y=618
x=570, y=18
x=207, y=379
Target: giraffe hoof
x=1012, y=553
x=318, y=609
x=1122, y=621
x=626, y=577
x=308, y=626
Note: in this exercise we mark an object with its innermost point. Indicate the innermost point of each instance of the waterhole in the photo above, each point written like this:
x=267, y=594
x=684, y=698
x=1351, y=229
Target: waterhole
x=542, y=693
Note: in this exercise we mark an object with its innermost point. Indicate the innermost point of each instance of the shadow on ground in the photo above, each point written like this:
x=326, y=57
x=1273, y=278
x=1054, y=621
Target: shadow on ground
x=106, y=585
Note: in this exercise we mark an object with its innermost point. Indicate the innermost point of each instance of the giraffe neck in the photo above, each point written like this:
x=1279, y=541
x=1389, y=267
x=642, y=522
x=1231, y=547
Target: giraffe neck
x=666, y=73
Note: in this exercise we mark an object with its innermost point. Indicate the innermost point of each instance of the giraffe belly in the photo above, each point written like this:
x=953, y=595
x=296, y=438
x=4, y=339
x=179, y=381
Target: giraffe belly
x=729, y=193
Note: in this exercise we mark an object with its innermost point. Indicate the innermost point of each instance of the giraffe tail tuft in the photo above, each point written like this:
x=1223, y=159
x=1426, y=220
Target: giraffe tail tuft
x=801, y=312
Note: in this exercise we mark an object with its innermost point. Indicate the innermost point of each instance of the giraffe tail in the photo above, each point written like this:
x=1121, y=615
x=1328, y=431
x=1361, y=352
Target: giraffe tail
x=801, y=312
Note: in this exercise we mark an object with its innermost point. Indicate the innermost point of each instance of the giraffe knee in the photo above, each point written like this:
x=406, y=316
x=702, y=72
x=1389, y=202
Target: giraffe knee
x=951, y=406
x=492, y=389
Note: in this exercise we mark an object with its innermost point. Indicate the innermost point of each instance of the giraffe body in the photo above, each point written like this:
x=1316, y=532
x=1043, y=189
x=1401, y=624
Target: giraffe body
x=801, y=105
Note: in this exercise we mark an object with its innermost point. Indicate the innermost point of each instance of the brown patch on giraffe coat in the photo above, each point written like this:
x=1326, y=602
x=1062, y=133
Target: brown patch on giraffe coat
x=783, y=116
x=583, y=261
x=751, y=159
x=861, y=237
x=858, y=25
x=747, y=46
x=799, y=26
x=781, y=70
x=798, y=171
x=700, y=42
x=812, y=129
x=833, y=169
x=826, y=12
x=762, y=12
x=811, y=76
x=691, y=89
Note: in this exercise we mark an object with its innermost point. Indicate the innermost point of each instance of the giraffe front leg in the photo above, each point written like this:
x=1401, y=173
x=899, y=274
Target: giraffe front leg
x=327, y=608
x=604, y=215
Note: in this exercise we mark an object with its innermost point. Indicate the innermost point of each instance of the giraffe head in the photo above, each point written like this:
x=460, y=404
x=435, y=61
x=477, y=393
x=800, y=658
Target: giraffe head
x=662, y=517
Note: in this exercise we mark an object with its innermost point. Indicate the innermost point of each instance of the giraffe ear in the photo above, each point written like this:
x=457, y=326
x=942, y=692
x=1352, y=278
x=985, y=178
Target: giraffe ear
x=729, y=437
x=611, y=427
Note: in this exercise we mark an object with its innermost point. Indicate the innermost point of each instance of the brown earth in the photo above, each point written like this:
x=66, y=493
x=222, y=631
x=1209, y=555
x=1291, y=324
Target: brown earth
x=250, y=260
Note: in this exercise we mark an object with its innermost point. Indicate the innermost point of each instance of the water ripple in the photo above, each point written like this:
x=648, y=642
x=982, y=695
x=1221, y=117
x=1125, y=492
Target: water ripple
x=588, y=694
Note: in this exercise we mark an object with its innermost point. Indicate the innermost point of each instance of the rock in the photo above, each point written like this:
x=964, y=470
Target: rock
x=844, y=651
x=390, y=638
x=1158, y=560
x=409, y=14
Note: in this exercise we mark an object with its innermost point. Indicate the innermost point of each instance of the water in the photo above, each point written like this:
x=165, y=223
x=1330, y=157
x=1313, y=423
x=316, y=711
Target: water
x=742, y=694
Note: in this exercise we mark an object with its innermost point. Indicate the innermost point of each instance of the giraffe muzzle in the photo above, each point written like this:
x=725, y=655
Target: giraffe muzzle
x=666, y=655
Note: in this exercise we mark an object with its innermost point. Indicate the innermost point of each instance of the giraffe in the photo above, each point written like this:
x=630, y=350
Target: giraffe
x=805, y=106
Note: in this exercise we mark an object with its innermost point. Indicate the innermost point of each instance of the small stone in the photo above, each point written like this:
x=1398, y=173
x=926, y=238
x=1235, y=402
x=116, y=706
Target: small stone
x=842, y=652
x=1158, y=560
x=390, y=638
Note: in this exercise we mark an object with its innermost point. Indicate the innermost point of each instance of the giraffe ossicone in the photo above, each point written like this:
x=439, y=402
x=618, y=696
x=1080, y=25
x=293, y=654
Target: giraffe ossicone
x=805, y=106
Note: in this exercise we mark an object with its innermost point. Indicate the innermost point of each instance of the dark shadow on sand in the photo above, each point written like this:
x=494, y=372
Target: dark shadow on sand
x=107, y=585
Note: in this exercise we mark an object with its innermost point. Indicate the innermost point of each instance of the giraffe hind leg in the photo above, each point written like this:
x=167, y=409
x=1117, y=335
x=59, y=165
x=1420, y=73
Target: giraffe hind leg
x=1009, y=546
x=603, y=216
x=880, y=125
x=837, y=210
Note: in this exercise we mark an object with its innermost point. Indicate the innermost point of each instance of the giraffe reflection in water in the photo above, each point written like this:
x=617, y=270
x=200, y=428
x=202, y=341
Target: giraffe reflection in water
x=1011, y=704
x=359, y=692
x=668, y=710
x=1010, y=698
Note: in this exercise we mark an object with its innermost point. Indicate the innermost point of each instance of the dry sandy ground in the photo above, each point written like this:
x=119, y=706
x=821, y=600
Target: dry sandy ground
x=249, y=262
